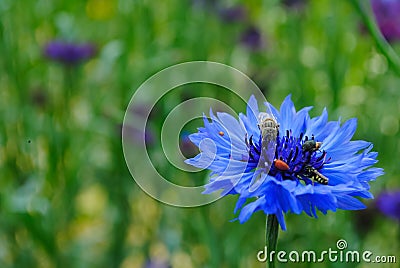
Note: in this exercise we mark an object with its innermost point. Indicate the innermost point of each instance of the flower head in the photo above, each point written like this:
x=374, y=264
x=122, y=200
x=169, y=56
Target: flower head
x=69, y=53
x=386, y=14
x=389, y=204
x=314, y=165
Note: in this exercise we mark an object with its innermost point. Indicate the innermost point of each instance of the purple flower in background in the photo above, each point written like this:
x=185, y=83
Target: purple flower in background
x=251, y=38
x=389, y=204
x=69, y=53
x=387, y=17
x=232, y=14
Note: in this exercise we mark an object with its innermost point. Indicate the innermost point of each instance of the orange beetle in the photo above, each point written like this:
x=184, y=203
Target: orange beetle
x=281, y=165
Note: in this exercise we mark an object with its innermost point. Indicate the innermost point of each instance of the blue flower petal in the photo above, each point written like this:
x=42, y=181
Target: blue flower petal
x=231, y=149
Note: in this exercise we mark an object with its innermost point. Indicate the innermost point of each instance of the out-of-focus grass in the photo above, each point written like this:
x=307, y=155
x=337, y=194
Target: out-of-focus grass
x=67, y=198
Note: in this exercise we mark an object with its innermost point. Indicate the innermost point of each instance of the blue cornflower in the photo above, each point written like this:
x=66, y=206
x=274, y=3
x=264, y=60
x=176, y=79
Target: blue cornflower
x=69, y=53
x=315, y=166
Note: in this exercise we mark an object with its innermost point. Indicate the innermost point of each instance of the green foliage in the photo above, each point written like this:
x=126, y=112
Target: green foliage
x=67, y=198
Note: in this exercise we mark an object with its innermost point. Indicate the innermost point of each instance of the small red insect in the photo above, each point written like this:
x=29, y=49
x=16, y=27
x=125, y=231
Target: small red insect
x=281, y=165
x=221, y=133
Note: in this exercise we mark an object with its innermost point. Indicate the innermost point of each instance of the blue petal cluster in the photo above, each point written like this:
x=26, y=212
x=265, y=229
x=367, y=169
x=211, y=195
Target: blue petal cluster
x=231, y=149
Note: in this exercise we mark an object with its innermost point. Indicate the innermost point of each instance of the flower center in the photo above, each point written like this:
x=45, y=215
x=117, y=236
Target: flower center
x=296, y=158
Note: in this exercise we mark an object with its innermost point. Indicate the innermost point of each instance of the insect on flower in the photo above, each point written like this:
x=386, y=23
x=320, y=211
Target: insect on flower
x=269, y=129
x=281, y=165
x=285, y=161
x=311, y=145
x=315, y=175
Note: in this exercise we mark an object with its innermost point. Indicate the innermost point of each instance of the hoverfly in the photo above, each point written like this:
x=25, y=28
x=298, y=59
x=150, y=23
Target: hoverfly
x=315, y=175
x=269, y=131
x=311, y=172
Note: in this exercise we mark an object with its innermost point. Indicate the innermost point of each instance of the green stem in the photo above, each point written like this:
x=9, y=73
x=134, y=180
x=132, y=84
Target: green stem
x=271, y=238
x=381, y=43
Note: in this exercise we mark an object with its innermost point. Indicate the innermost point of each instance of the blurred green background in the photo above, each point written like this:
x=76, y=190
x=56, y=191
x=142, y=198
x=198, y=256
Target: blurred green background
x=66, y=196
